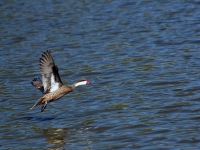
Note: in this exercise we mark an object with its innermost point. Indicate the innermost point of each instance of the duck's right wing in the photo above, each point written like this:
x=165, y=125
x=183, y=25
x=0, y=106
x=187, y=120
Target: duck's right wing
x=50, y=76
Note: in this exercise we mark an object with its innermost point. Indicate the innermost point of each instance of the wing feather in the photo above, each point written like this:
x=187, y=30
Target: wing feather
x=37, y=83
x=50, y=76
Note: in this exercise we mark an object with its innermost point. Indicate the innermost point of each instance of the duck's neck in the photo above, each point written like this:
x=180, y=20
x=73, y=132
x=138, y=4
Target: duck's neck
x=78, y=84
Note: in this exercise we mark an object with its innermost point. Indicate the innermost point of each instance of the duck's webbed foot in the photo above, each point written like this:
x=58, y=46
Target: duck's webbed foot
x=44, y=106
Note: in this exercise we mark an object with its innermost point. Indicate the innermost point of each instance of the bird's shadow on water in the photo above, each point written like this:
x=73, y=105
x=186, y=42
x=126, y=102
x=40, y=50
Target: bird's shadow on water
x=60, y=131
x=55, y=136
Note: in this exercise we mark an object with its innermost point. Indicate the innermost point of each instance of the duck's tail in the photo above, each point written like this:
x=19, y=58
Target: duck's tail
x=38, y=102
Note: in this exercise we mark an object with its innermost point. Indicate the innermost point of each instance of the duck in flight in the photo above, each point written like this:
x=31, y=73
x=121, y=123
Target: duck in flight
x=51, y=85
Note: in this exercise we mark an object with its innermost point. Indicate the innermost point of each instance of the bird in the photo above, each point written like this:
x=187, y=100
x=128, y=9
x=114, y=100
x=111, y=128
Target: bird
x=51, y=84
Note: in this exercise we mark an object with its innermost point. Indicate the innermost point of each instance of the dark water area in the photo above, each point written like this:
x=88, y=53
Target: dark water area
x=142, y=57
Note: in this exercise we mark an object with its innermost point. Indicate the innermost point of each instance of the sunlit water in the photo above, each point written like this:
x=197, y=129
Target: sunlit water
x=142, y=57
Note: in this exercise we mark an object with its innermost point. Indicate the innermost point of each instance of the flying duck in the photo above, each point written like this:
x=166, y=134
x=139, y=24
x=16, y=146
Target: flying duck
x=51, y=85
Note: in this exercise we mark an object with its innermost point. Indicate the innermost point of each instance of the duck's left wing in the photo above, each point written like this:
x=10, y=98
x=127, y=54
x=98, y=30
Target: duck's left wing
x=37, y=83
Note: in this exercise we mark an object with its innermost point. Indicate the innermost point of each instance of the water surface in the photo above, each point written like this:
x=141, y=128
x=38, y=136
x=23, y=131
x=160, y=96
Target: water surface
x=142, y=58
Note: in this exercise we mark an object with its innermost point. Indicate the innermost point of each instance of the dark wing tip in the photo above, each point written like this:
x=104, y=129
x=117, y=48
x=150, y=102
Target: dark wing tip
x=48, y=52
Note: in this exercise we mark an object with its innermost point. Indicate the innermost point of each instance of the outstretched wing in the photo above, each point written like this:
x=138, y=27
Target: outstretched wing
x=50, y=76
x=37, y=83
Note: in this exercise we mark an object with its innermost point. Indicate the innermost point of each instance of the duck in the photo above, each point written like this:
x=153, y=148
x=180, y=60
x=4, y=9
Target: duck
x=51, y=84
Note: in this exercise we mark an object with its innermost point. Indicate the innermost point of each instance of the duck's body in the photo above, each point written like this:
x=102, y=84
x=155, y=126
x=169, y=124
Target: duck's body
x=51, y=84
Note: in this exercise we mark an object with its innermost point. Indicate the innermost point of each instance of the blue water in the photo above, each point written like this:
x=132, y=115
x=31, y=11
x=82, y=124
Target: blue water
x=142, y=57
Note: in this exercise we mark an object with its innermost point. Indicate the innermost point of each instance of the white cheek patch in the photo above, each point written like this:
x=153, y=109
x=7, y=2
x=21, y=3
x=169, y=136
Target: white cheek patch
x=80, y=83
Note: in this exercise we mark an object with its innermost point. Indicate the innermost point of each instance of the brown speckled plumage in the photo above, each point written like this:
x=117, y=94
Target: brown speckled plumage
x=51, y=84
x=50, y=97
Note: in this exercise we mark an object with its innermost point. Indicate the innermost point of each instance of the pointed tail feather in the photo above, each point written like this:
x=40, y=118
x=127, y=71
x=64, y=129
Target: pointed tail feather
x=38, y=102
x=33, y=106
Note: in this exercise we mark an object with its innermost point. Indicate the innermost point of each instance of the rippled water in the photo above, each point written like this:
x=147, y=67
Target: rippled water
x=142, y=57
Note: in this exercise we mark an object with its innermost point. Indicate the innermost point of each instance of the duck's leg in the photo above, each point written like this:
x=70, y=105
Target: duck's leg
x=44, y=106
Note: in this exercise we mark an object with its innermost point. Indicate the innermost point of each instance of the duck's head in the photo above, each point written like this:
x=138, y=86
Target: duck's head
x=82, y=82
